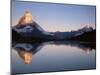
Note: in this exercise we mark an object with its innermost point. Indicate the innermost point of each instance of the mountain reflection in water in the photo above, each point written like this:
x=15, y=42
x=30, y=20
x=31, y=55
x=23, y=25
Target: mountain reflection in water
x=27, y=50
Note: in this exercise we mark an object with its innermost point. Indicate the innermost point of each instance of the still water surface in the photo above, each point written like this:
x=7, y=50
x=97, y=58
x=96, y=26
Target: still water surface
x=52, y=56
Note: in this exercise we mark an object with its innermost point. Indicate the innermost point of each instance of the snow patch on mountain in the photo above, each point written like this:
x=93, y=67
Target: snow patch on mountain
x=25, y=29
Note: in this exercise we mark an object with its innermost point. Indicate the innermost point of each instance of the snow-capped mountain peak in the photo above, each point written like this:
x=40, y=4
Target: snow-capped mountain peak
x=26, y=19
x=86, y=29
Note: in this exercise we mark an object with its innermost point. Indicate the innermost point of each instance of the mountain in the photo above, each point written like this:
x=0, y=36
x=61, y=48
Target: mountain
x=28, y=30
x=67, y=35
x=33, y=31
x=86, y=29
x=87, y=36
x=26, y=18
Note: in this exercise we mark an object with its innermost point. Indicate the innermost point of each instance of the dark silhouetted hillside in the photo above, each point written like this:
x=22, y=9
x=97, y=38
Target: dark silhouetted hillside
x=87, y=36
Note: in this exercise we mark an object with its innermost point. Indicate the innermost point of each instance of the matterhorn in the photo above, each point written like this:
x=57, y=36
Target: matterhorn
x=26, y=19
x=28, y=29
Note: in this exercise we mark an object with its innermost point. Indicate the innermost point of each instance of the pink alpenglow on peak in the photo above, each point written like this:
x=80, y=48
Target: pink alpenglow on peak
x=26, y=19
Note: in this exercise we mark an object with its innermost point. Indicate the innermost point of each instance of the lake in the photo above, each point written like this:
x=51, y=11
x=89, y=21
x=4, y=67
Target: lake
x=53, y=56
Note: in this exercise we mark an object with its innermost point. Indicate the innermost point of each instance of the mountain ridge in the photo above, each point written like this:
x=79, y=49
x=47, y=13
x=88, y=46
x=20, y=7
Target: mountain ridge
x=28, y=30
x=34, y=31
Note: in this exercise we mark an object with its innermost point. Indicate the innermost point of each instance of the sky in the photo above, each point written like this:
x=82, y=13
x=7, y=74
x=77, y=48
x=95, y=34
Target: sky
x=54, y=17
